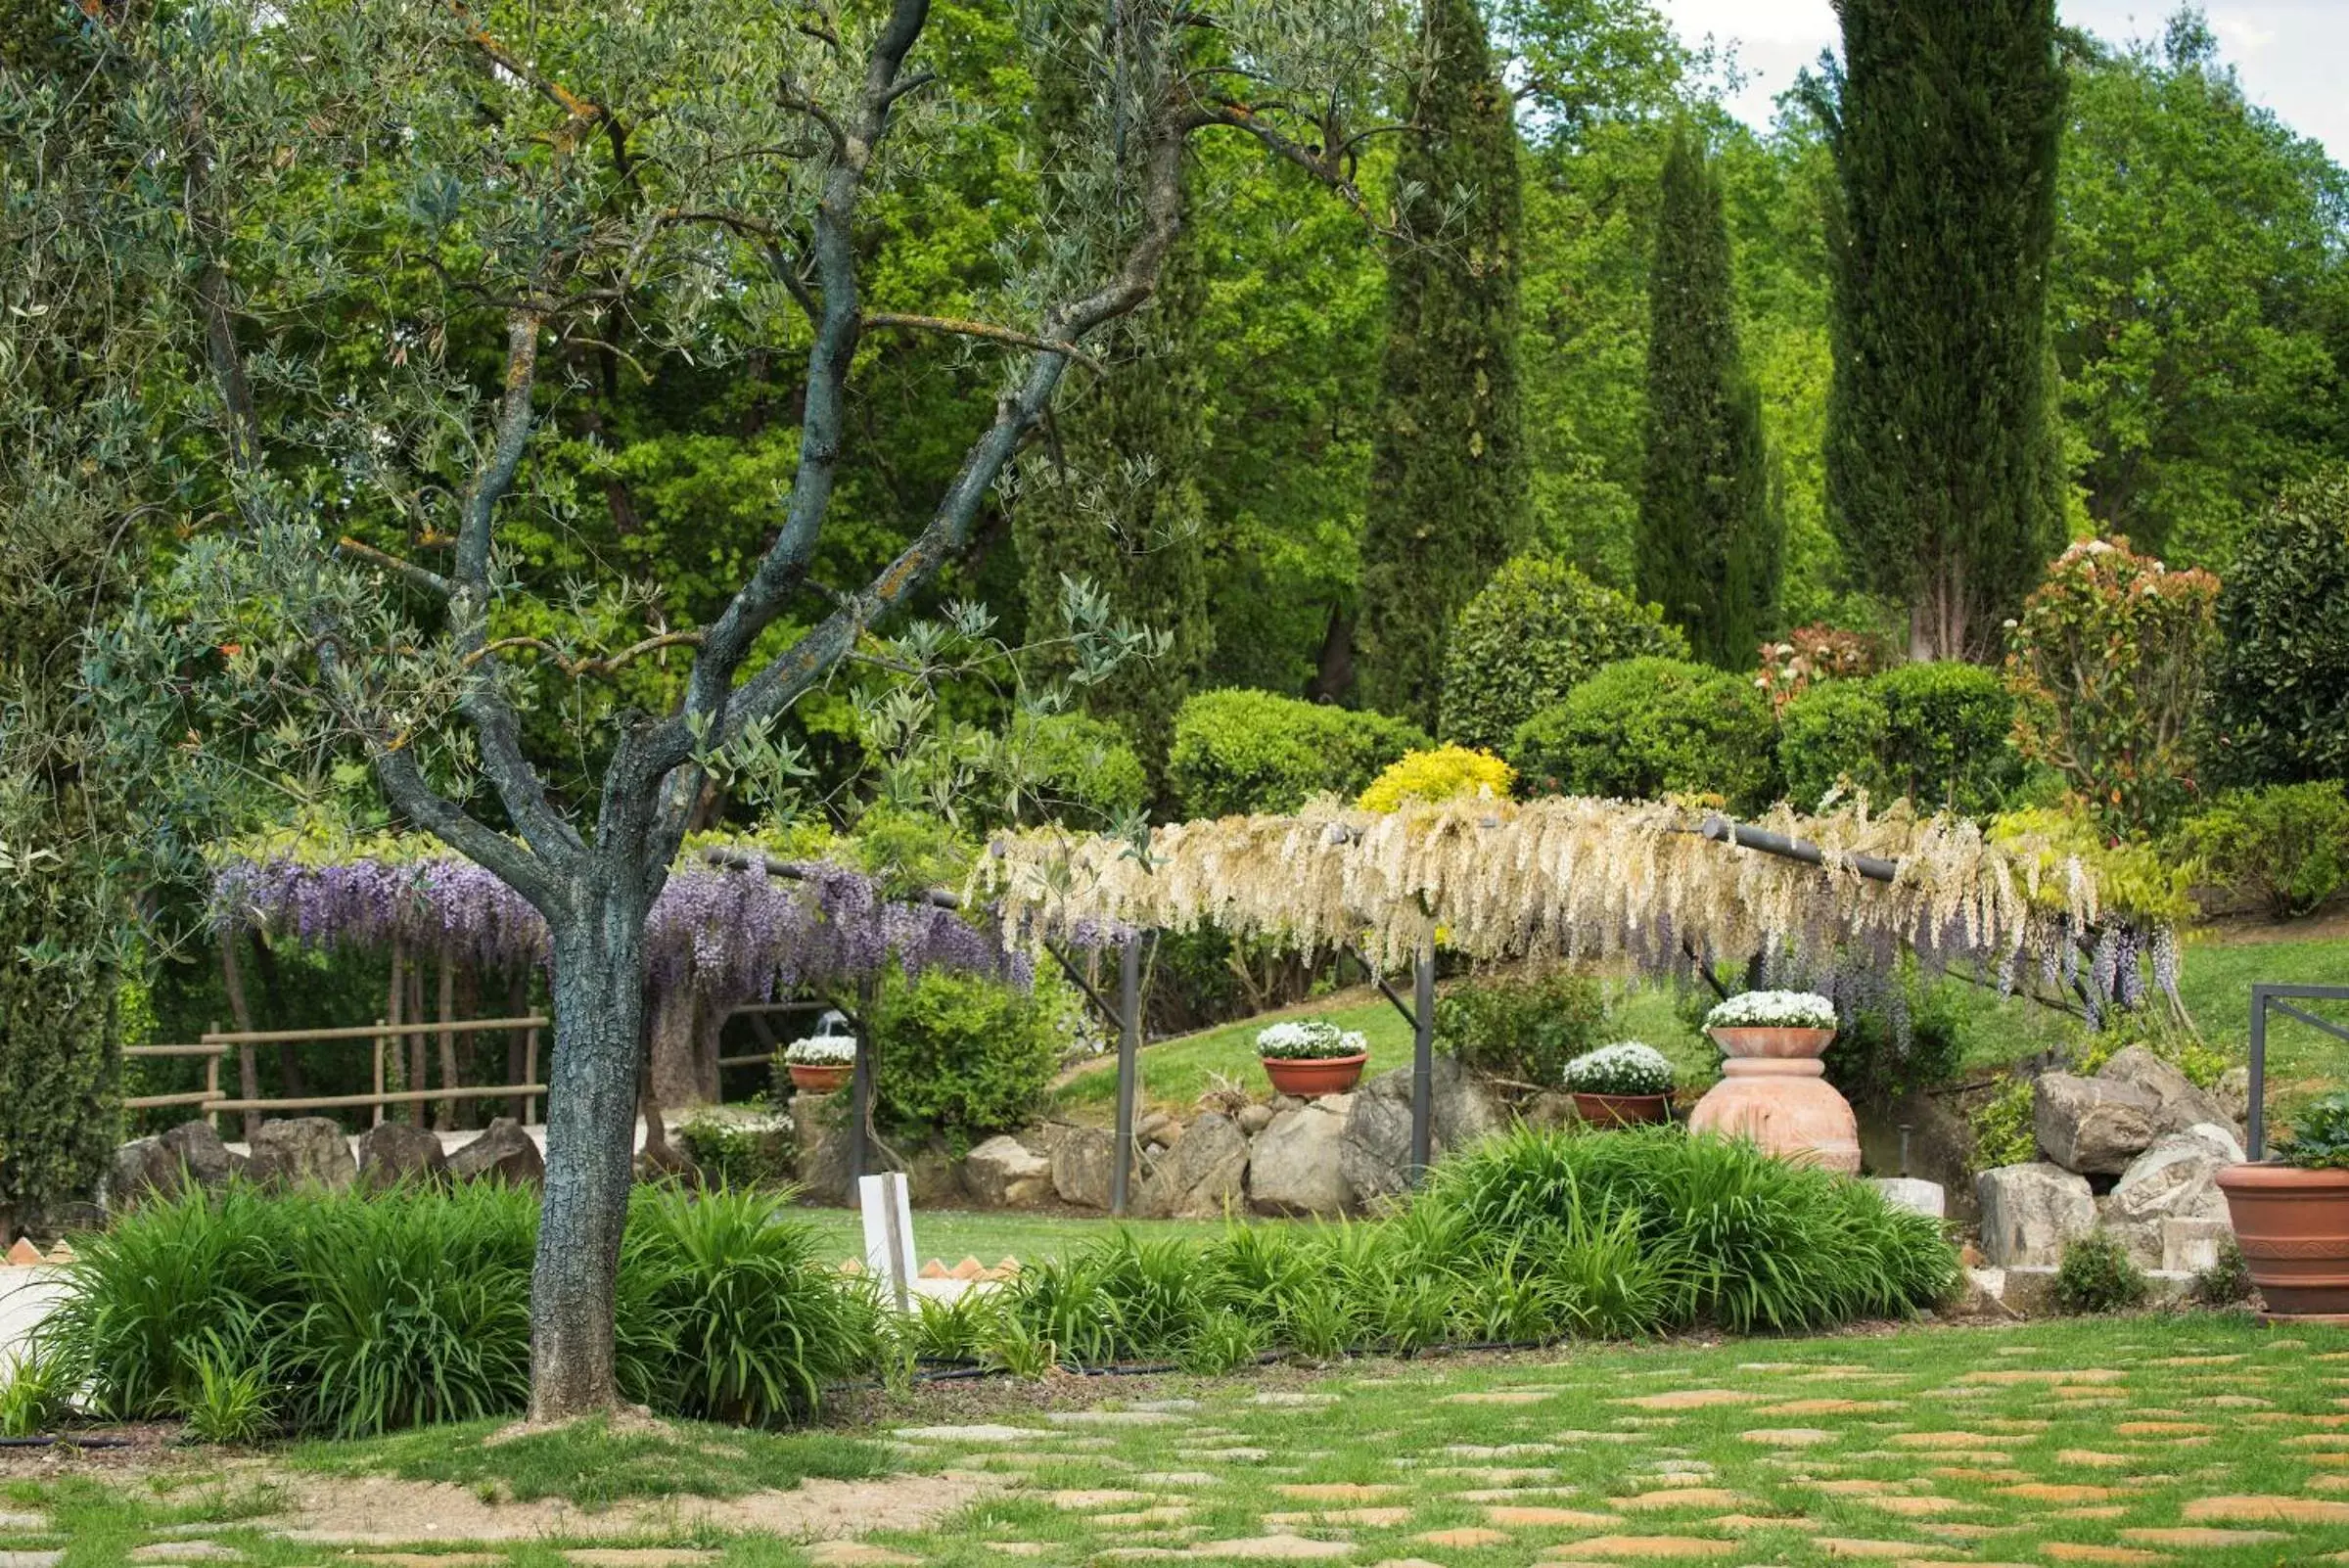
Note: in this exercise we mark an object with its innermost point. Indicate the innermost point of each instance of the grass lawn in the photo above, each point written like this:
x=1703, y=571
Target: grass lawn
x=952, y=1235
x=2221, y=966
x=2188, y=1438
x=1176, y=1072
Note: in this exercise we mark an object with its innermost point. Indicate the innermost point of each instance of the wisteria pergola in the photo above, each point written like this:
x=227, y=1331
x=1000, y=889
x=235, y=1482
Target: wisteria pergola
x=1660, y=885
x=732, y=927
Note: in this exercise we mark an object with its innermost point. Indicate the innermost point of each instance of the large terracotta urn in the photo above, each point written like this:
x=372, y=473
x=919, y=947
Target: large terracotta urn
x=1774, y=1093
x=2293, y=1226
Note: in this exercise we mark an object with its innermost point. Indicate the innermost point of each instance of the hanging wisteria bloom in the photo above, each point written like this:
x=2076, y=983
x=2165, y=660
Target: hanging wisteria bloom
x=727, y=936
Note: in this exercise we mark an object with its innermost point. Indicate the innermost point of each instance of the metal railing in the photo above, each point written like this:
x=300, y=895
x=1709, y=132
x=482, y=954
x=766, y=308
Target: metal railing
x=2279, y=997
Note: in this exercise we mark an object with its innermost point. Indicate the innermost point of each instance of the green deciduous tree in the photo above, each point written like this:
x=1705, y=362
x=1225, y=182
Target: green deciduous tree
x=374, y=240
x=2200, y=296
x=1942, y=465
x=1447, y=463
x=1709, y=543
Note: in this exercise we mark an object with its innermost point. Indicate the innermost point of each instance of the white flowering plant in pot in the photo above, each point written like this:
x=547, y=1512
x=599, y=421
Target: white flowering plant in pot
x=821, y=1050
x=1772, y=1009
x=1629, y=1067
x=1308, y=1039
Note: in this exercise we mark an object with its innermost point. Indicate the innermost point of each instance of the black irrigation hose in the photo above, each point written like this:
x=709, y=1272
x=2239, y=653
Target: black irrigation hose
x=57, y=1439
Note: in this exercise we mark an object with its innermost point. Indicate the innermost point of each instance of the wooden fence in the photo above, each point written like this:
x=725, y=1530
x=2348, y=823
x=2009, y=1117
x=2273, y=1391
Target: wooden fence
x=215, y=1045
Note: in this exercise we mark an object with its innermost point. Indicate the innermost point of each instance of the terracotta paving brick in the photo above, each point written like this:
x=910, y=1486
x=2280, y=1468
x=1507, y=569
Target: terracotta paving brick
x=1862, y=1548
x=2288, y=1510
x=1857, y=1487
x=2197, y=1536
x=1529, y=1517
x=1498, y=1395
x=2118, y=1556
x=2075, y=1375
x=1691, y=1399
x=1683, y=1497
x=1943, y=1440
x=1646, y=1547
x=1955, y=1472
x=2057, y=1491
x=1463, y=1536
x=1336, y=1491
x=1375, y=1518
x=1787, y=1437
x=2093, y=1458
x=1921, y=1507
x=2160, y=1429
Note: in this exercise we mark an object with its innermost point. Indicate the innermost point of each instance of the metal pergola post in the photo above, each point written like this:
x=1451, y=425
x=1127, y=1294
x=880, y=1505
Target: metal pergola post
x=1423, y=1062
x=1129, y=1040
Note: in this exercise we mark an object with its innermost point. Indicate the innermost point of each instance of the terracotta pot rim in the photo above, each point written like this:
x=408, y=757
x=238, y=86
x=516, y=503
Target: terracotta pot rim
x=2274, y=1175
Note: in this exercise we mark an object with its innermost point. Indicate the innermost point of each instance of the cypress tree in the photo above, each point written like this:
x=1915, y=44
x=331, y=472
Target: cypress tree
x=1944, y=474
x=1121, y=506
x=1448, y=482
x=1709, y=538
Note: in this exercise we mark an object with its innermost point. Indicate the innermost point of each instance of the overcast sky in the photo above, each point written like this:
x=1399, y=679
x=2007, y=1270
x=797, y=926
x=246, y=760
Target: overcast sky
x=2291, y=55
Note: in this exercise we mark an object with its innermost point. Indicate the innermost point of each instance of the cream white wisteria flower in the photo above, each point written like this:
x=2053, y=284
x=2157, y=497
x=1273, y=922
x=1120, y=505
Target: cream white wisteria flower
x=1627, y=1067
x=821, y=1050
x=1773, y=1009
x=1308, y=1039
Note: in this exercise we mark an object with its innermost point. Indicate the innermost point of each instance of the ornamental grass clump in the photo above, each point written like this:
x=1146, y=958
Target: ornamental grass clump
x=1628, y=1067
x=353, y=1315
x=1308, y=1039
x=1772, y=1009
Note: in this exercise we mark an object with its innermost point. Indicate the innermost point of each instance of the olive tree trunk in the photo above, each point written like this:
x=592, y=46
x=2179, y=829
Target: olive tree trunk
x=590, y=1146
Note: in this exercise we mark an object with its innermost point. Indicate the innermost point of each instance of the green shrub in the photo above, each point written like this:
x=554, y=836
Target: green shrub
x=2320, y=1139
x=1935, y=733
x=38, y=1392
x=963, y=1054
x=2285, y=844
x=2003, y=1133
x=2097, y=1276
x=1073, y=764
x=1537, y=629
x=1239, y=752
x=2280, y=679
x=1650, y=727
x=354, y=1315
x=729, y=1155
x=1877, y=1056
x=2226, y=1282
x=1830, y=736
x=1521, y=1027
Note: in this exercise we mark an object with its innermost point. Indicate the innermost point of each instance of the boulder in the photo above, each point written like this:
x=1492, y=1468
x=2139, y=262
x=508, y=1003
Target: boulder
x=1295, y=1165
x=193, y=1147
x=1928, y=1198
x=392, y=1153
x=1005, y=1173
x=932, y=1178
x=503, y=1152
x=1082, y=1167
x=1253, y=1118
x=2182, y=1104
x=2093, y=1123
x=191, y=1153
x=1375, y=1156
x=1377, y=1152
x=2029, y=1211
x=2234, y=1094
x=2175, y=1179
x=1158, y=1127
x=2189, y=1246
x=301, y=1151
x=1203, y=1177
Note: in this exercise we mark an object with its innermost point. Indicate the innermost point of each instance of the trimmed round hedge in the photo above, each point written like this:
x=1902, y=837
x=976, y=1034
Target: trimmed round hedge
x=1537, y=629
x=1649, y=727
x=1236, y=752
x=1938, y=734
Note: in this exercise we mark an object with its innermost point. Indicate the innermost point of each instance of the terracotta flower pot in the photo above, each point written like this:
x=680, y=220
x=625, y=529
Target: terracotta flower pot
x=819, y=1080
x=1308, y=1078
x=1622, y=1110
x=1771, y=1041
x=1785, y=1107
x=2293, y=1226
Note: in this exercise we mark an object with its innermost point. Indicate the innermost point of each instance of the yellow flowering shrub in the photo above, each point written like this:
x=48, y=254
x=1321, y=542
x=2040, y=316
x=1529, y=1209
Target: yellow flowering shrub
x=1437, y=775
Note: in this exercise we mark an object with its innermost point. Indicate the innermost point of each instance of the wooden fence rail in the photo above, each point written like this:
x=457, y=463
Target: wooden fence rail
x=218, y=1043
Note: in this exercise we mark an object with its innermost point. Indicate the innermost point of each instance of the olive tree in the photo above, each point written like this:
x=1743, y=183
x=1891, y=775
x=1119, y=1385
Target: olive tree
x=388, y=238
